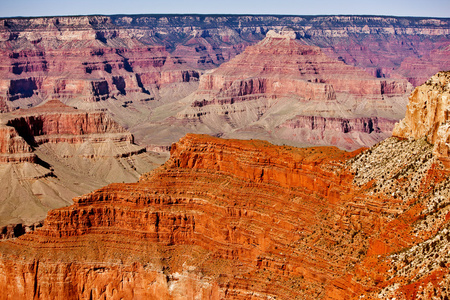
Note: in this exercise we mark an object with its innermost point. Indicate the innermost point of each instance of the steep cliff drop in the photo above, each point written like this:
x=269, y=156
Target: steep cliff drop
x=286, y=91
x=233, y=219
x=52, y=153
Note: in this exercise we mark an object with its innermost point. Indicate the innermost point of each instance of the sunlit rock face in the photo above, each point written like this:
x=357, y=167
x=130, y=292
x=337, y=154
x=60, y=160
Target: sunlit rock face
x=93, y=58
x=225, y=219
x=85, y=58
x=233, y=219
x=139, y=67
x=428, y=114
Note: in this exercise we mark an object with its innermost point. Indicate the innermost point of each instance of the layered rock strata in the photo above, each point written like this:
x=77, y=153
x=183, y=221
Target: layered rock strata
x=55, y=122
x=233, y=219
x=383, y=46
x=348, y=133
x=52, y=153
x=229, y=219
x=280, y=65
x=103, y=57
x=280, y=83
x=85, y=58
x=133, y=65
x=13, y=148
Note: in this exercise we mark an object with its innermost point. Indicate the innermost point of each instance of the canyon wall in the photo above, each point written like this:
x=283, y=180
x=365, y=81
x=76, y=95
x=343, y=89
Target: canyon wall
x=286, y=91
x=101, y=57
x=87, y=58
x=141, y=68
x=52, y=152
x=55, y=122
x=232, y=219
x=376, y=44
x=245, y=219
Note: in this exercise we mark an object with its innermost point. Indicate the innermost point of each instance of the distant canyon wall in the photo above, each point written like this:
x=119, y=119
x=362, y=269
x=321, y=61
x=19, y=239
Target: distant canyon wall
x=102, y=57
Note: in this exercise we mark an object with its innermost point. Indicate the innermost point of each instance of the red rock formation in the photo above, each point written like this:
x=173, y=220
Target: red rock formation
x=283, y=66
x=57, y=59
x=273, y=88
x=67, y=57
x=53, y=152
x=13, y=147
x=220, y=224
x=55, y=122
x=418, y=71
x=348, y=133
x=376, y=44
x=225, y=219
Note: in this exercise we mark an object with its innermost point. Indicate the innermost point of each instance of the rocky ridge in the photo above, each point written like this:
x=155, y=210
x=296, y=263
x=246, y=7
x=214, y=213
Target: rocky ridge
x=84, y=58
x=226, y=219
x=428, y=115
x=412, y=48
x=138, y=67
x=234, y=219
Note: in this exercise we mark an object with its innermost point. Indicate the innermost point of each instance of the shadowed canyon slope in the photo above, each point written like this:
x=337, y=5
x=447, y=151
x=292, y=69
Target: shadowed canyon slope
x=52, y=153
x=132, y=65
x=233, y=219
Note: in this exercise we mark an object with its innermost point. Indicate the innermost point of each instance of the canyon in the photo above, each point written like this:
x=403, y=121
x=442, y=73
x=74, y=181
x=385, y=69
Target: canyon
x=84, y=100
x=53, y=152
x=246, y=219
x=294, y=92
x=143, y=70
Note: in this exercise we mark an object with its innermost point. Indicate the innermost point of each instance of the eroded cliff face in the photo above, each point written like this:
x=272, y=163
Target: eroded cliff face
x=55, y=122
x=282, y=89
x=100, y=57
x=13, y=148
x=52, y=153
x=376, y=44
x=139, y=67
x=428, y=114
x=232, y=219
x=85, y=58
x=235, y=219
x=205, y=211
x=281, y=65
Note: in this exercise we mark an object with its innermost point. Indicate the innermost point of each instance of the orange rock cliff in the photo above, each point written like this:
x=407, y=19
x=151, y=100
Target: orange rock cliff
x=232, y=219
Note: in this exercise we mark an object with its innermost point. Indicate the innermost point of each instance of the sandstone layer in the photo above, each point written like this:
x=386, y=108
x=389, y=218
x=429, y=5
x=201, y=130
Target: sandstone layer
x=234, y=219
x=53, y=152
x=428, y=115
x=281, y=65
x=383, y=46
x=84, y=58
x=133, y=65
x=230, y=219
x=286, y=91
